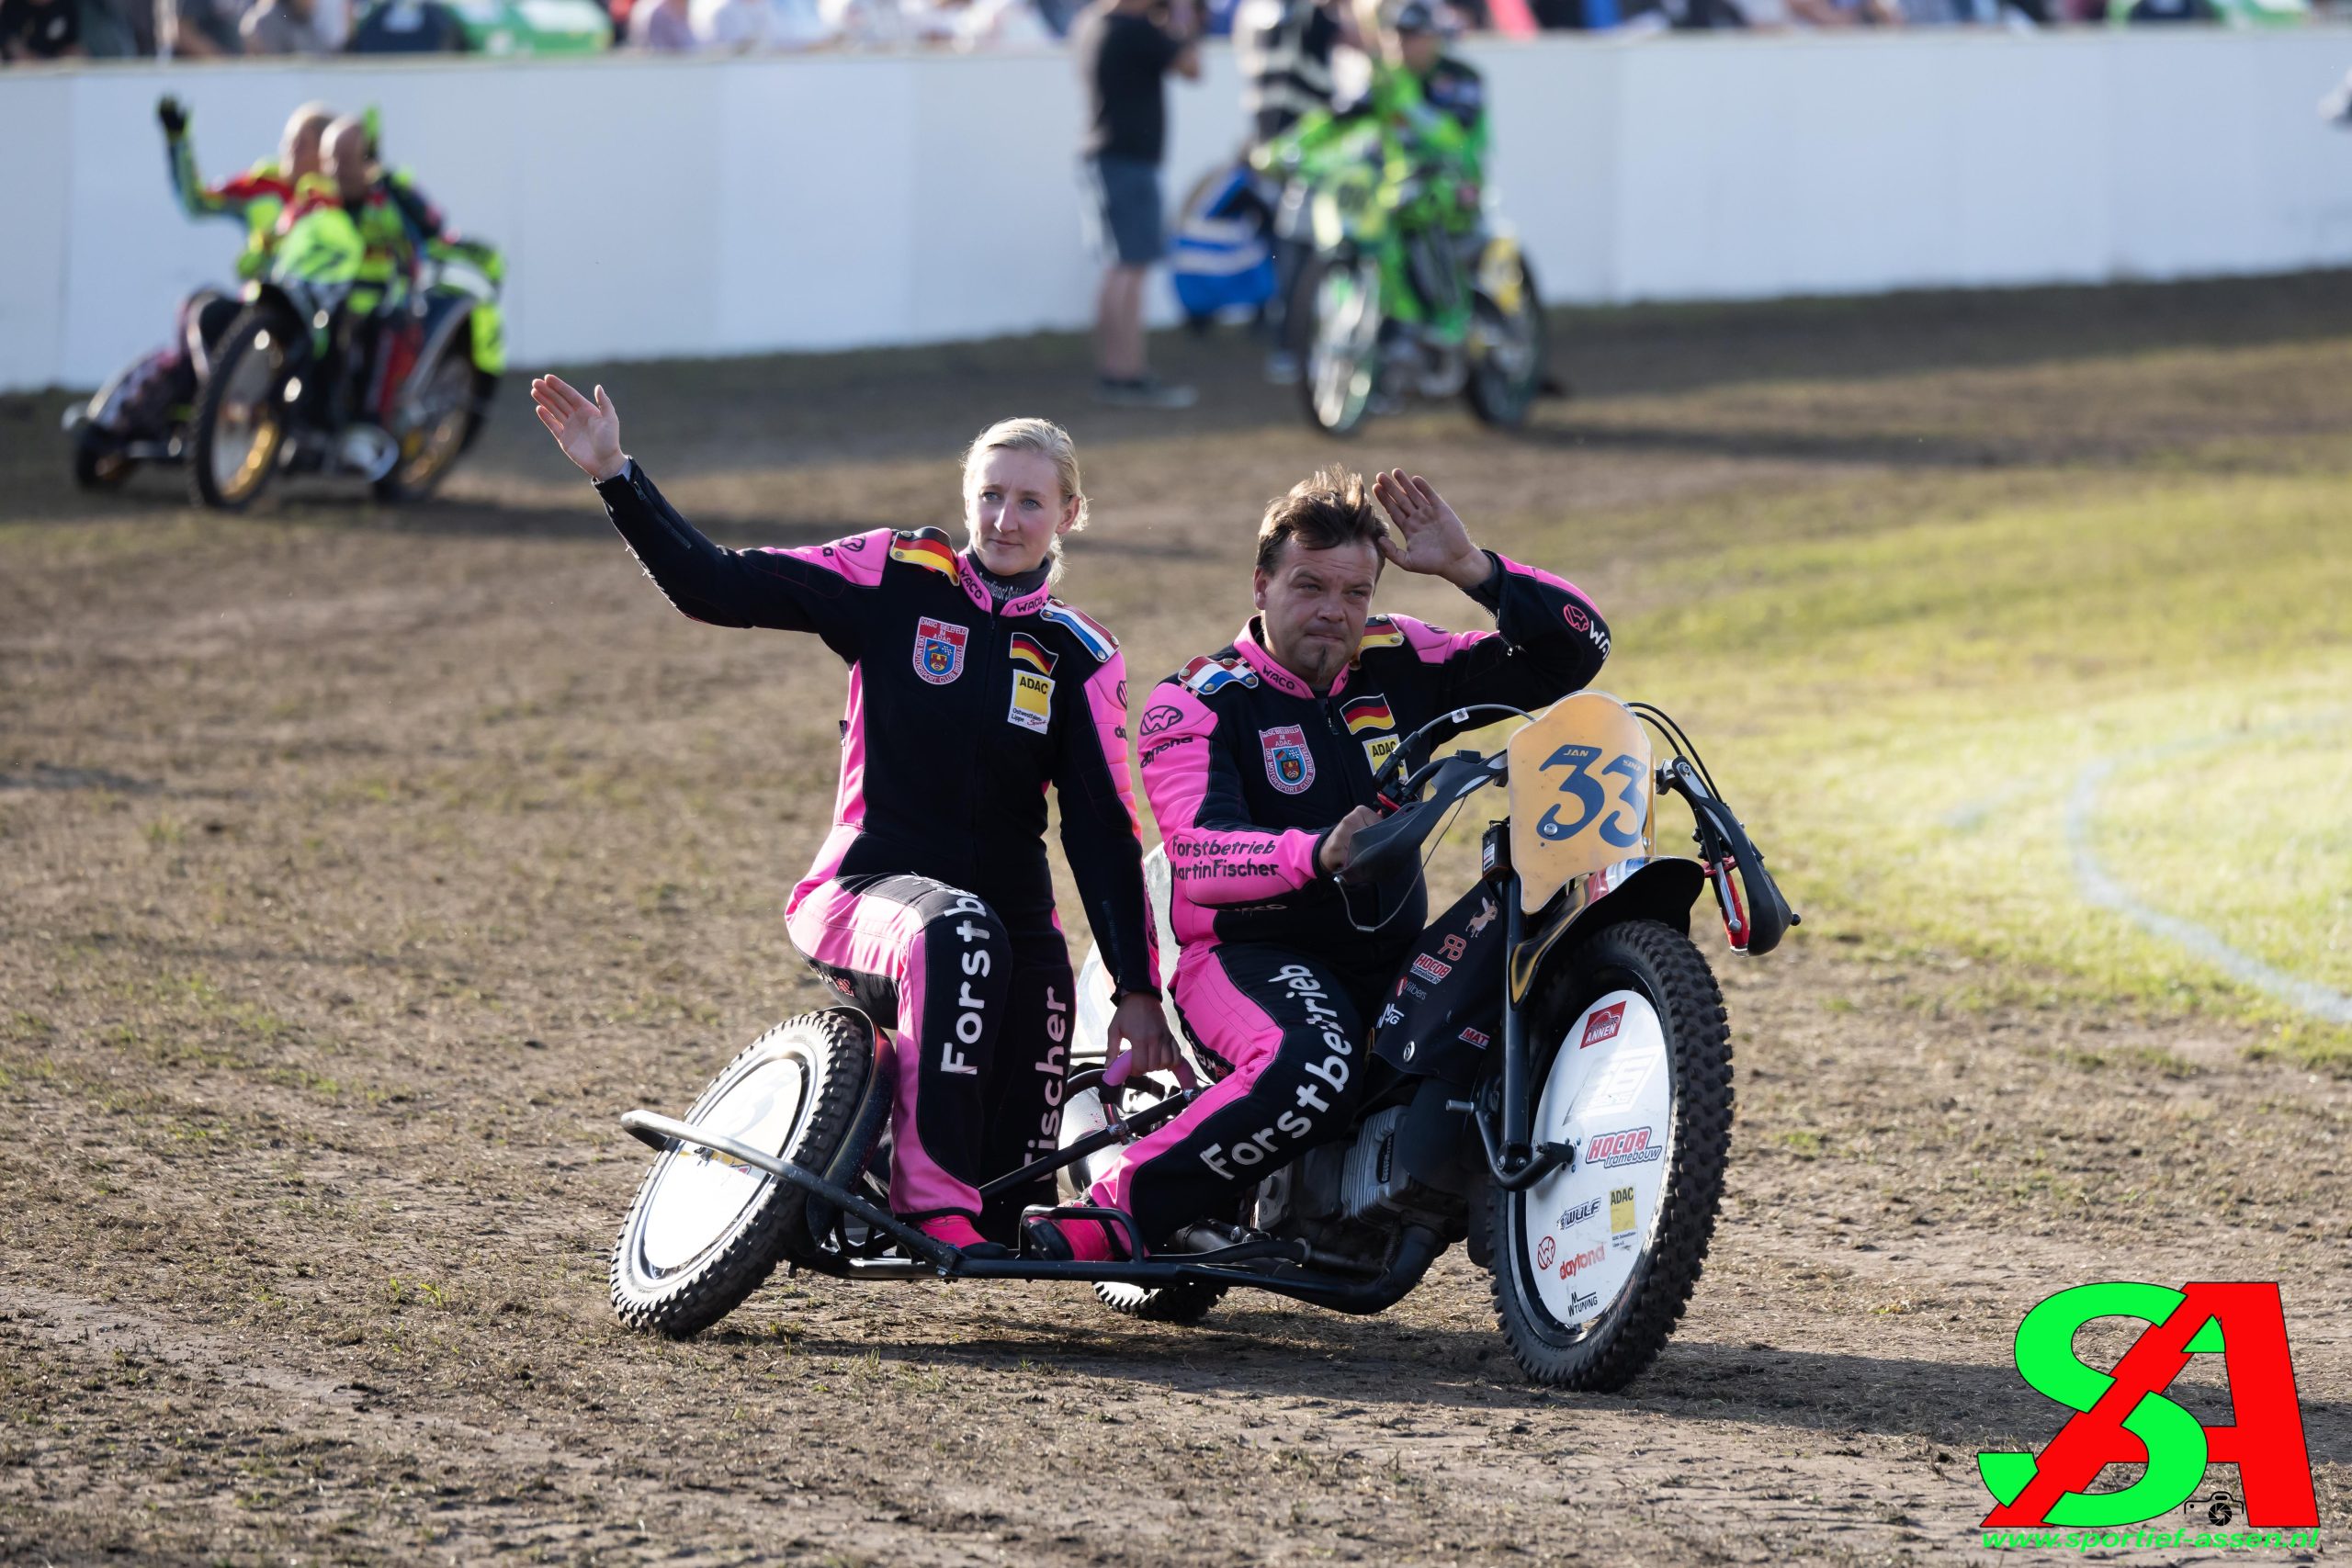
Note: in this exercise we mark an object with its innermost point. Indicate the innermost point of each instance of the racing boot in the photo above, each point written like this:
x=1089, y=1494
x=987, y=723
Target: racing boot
x=1073, y=1240
x=957, y=1232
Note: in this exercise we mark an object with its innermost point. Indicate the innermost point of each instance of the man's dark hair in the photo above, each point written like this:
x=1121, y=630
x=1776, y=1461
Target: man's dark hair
x=1332, y=508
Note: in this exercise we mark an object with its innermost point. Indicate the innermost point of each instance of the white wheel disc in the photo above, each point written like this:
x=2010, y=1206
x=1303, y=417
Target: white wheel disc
x=701, y=1194
x=1609, y=1096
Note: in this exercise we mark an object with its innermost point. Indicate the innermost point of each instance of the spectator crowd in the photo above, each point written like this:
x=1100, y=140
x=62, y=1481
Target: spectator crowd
x=55, y=30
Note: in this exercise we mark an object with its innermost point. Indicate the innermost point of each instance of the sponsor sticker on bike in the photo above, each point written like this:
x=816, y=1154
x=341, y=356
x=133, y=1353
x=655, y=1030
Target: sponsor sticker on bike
x=1032, y=701
x=1546, y=1250
x=1576, y=1264
x=1622, y=1210
x=1602, y=1025
x=1290, y=766
x=939, y=649
x=1431, y=969
x=1572, y=1217
x=1629, y=1145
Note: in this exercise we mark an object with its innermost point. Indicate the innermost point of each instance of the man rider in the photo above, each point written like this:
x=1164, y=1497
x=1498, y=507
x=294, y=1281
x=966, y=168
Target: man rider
x=257, y=198
x=1432, y=110
x=1259, y=761
x=399, y=227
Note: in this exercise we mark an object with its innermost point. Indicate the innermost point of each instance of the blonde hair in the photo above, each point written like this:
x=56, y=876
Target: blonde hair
x=1046, y=439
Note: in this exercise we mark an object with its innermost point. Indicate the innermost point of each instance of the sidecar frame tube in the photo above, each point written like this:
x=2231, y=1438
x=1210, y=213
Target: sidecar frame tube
x=1419, y=1248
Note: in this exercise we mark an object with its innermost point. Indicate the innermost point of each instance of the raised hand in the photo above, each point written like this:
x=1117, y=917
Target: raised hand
x=589, y=432
x=173, y=115
x=1434, y=541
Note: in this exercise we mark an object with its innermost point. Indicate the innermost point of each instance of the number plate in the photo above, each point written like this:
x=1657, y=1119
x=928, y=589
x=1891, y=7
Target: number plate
x=1582, y=785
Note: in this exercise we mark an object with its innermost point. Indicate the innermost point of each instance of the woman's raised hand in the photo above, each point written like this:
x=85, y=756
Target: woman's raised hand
x=589, y=432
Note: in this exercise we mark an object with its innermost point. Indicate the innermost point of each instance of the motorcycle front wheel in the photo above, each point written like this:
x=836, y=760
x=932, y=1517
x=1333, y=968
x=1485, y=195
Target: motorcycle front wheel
x=1593, y=1265
x=241, y=414
x=1338, y=334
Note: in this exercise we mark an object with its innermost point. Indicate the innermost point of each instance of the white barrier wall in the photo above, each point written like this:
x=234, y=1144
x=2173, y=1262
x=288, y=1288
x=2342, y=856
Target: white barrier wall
x=653, y=206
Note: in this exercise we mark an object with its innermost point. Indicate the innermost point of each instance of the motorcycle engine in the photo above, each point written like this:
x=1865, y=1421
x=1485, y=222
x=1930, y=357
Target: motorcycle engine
x=1349, y=1197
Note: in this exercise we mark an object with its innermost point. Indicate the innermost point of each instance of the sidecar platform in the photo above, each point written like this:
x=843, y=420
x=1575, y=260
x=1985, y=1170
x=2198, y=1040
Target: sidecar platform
x=1266, y=1264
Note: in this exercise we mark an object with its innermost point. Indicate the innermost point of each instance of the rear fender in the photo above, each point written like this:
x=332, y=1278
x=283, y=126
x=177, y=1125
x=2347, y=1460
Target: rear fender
x=1660, y=889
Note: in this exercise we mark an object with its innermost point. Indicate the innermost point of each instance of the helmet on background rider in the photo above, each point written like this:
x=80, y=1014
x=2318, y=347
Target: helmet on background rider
x=298, y=146
x=1420, y=36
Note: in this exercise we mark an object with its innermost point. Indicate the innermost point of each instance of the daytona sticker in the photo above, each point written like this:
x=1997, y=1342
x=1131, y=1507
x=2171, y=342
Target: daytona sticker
x=1290, y=766
x=939, y=649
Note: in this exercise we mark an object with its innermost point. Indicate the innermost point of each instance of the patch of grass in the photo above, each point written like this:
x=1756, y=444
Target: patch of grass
x=1906, y=714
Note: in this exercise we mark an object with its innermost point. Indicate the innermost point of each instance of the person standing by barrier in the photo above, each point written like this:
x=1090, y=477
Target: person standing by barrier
x=1125, y=50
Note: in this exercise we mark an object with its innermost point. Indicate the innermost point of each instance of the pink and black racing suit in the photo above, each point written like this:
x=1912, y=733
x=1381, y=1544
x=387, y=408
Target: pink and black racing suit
x=930, y=905
x=1247, y=770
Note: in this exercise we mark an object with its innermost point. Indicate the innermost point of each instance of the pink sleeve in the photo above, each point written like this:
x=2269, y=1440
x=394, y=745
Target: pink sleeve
x=860, y=557
x=1214, y=853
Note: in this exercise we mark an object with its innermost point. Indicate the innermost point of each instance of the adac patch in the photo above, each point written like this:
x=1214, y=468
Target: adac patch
x=1290, y=766
x=1032, y=701
x=939, y=649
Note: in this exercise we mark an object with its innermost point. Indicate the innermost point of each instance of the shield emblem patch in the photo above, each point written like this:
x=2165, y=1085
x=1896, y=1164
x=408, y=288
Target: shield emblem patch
x=1290, y=766
x=939, y=649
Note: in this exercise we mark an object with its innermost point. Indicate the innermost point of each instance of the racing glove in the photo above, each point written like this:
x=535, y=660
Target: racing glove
x=173, y=117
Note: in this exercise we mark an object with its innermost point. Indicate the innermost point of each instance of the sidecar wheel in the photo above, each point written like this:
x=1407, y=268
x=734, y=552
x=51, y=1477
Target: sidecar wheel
x=1160, y=1304
x=704, y=1231
x=1592, y=1266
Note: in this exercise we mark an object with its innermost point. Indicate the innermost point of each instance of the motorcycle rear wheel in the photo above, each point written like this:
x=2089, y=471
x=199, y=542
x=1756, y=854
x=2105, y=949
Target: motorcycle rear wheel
x=1503, y=385
x=1607, y=1351
x=241, y=415
x=449, y=413
x=704, y=1231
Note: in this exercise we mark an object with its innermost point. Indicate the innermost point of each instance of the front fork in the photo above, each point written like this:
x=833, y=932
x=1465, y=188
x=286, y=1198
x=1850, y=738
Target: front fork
x=1514, y=1160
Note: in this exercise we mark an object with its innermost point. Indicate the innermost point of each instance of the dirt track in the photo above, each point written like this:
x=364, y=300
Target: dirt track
x=356, y=868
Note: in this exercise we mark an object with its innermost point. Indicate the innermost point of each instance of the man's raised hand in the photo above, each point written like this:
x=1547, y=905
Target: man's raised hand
x=589, y=432
x=1435, y=543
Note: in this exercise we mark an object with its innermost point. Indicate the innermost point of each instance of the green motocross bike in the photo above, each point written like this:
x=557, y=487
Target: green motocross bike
x=1398, y=296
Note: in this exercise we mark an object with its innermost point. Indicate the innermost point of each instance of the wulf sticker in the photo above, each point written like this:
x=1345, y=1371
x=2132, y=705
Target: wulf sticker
x=939, y=649
x=1290, y=766
x=1602, y=1025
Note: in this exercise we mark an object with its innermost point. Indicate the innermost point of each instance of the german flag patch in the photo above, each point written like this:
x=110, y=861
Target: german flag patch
x=916, y=549
x=1028, y=649
x=1379, y=632
x=1367, y=712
